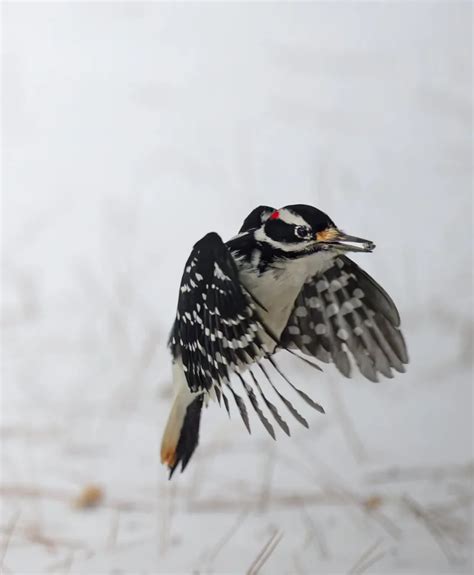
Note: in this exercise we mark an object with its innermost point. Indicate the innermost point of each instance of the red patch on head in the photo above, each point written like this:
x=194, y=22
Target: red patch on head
x=275, y=215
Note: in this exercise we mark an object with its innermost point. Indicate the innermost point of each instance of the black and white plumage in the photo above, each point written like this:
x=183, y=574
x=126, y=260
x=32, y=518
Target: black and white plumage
x=284, y=282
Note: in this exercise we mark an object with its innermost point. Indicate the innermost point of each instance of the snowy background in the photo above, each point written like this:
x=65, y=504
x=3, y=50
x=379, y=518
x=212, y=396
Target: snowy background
x=129, y=131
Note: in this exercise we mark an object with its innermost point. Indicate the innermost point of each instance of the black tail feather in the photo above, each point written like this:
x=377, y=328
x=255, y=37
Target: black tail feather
x=189, y=436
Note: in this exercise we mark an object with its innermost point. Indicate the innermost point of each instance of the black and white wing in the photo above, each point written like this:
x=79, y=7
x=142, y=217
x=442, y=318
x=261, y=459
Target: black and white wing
x=217, y=324
x=217, y=333
x=344, y=311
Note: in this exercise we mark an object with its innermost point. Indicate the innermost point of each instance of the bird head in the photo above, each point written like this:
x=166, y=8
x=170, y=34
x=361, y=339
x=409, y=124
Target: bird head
x=301, y=230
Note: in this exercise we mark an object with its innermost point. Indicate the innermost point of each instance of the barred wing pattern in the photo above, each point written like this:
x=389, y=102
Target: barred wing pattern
x=344, y=310
x=217, y=333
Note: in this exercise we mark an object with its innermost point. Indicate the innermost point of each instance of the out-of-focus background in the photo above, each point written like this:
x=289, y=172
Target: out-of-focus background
x=129, y=131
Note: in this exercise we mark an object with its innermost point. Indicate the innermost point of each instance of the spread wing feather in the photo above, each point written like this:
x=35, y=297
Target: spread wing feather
x=343, y=312
x=217, y=333
x=288, y=404
x=271, y=407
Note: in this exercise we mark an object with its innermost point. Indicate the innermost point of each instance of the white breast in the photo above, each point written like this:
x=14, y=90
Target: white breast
x=278, y=287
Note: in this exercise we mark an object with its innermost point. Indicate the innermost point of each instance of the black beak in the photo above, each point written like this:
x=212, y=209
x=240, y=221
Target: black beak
x=346, y=243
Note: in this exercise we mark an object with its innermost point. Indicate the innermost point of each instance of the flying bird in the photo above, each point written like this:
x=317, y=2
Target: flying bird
x=283, y=282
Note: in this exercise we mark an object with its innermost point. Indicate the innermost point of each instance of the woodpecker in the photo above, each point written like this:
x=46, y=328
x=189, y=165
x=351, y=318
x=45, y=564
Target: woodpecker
x=283, y=282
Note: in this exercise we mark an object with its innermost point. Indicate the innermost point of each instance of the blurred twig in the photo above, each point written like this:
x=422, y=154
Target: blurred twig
x=27, y=294
x=29, y=492
x=366, y=559
x=440, y=534
x=364, y=502
x=394, y=474
x=314, y=533
x=278, y=500
x=167, y=514
x=453, y=504
x=265, y=553
x=63, y=567
x=267, y=476
x=114, y=529
x=226, y=537
x=349, y=431
x=8, y=535
x=34, y=534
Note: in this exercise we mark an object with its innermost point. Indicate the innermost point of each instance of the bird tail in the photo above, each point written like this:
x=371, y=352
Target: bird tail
x=181, y=434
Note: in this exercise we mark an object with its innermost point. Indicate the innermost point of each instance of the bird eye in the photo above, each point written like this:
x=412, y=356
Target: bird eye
x=303, y=231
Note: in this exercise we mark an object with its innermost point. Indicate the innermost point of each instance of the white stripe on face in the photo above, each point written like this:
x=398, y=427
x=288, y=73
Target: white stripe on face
x=289, y=217
x=261, y=236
